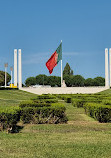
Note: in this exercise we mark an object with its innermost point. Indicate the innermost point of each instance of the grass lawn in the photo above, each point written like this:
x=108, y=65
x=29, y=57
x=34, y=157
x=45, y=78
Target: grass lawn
x=81, y=137
x=13, y=97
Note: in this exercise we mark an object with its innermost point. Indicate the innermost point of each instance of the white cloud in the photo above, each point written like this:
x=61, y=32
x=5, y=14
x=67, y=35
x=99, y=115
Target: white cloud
x=37, y=58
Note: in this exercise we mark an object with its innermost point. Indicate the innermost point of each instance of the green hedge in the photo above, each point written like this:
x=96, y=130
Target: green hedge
x=30, y=103
x=106, y=102
x=46, y=96
x=78, y=102
x=52, y=114
x=8, y=88
x=9, y=116
x=100, y=112
x=50, y=100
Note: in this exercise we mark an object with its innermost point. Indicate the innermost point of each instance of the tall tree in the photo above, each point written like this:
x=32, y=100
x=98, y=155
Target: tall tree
x=89, y=82
x=78, y=81
x=67, y=70
x=30, y=81
x=2, y=78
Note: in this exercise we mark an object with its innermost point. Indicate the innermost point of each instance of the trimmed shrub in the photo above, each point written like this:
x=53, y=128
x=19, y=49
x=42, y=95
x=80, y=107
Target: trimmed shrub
x=100, y=112
x=106, y=102
x=50, y=100
x=52, y=114
x=78, y=102
x=30, y=103
x=8, y=88
x=9, y=116
x=46, y=96
x=68, y=100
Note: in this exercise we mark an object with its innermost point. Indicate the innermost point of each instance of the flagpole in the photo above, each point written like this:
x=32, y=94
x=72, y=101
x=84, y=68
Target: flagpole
x=61, y=71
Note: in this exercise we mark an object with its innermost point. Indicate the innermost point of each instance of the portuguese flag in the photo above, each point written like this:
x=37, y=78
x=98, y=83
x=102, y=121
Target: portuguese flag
x=54, y=59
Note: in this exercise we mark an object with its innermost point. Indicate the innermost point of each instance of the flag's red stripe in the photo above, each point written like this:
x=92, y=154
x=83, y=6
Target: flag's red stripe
x=52, y=62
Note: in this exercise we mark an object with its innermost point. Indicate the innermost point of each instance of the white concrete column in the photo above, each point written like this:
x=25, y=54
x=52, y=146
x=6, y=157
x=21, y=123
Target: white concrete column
x=106, y=68
x=110, y=64
x=15, y=67
x=20, y=68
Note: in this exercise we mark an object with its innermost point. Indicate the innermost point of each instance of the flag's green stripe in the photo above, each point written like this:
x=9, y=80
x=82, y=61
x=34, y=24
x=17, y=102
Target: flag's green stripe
x=59, y=52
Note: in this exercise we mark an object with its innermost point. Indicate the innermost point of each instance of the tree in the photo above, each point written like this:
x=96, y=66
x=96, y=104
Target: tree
x=68, y=80
x=54, y=81
x=2, y=78
x=99, y=81
x=67, y=70
x=89, y=82
x=30, y=81
x=41, y=79
x=78, y=81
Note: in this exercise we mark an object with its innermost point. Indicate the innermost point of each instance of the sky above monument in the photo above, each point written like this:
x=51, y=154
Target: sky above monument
x=38, y=26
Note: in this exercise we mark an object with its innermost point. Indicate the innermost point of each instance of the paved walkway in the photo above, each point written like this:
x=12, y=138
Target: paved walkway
x=67, y=90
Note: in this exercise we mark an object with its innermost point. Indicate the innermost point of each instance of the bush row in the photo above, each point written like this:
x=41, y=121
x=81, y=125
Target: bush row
x=100, y=112
x=8, y=88
x=55, y=113
x=52, y=114
x=9, y=116
x=43, y=109
x=31, y=103
x=46, y=96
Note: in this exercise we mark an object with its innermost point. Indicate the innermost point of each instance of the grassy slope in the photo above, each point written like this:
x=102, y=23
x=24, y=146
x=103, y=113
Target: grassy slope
x=82, y=137
x=106, y=92
x=13, y=97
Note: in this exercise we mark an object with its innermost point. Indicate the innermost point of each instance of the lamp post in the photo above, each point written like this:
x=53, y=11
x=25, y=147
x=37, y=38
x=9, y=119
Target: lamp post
x=11, y=69
x=6, y=65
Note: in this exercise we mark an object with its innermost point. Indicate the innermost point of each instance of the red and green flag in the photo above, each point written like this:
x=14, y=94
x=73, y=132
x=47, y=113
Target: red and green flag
x=54, y=59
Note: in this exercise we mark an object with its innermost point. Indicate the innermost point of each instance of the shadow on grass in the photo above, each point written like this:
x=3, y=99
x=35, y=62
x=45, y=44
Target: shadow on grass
x=16, y=129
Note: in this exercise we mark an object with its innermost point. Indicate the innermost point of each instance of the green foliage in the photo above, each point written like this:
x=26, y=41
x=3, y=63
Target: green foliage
x=31, y=103
x=2, y=78
x=46, y=96
x=41, y=79
x=78, y=102
x=100, y=112
x=8, y=88
x=66, y=98
x=51, y=114
x=9, y=116
x=75, y=81
x=54, y=81
x=89, y=82
x=68, y=80
x=78, y=81
x=43, y=109
x=67, y=70
x=98, y=81
x=48, y=80
x=106, y=102
x=30, y=81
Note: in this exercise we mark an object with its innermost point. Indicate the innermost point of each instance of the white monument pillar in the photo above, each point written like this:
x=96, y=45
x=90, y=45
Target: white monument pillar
x=15, y=67
x=110, y=64
x=106, y=68
x=11, y=69
x=20, y=68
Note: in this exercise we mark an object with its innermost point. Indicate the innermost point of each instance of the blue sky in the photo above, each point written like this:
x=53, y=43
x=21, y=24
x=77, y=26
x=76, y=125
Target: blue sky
x=38, y=26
